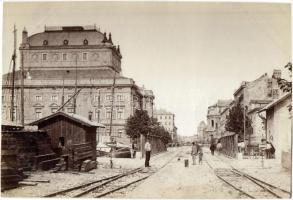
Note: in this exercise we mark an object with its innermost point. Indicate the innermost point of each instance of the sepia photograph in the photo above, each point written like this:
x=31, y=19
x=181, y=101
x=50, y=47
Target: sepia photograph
x=146, y=99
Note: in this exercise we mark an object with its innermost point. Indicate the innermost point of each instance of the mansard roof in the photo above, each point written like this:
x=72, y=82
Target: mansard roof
x=74, y=35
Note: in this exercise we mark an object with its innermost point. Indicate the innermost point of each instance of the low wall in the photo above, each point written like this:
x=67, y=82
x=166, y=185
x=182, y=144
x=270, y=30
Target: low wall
x=156, y=143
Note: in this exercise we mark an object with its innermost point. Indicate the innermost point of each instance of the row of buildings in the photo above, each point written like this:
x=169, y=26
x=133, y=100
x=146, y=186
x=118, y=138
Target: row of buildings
x=267, y=108
x=79, y=65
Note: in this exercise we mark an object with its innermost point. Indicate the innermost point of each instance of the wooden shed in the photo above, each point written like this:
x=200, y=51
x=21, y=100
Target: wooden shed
x=73, y=137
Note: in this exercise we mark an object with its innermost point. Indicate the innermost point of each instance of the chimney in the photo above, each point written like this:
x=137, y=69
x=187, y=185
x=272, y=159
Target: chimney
x=277, y=73
x=24, y=36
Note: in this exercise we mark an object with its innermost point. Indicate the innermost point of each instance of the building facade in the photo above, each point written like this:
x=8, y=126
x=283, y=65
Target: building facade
x=202, y=137
x=167, y=120
x=63, y=61
x=253, y=96
x=214, y=118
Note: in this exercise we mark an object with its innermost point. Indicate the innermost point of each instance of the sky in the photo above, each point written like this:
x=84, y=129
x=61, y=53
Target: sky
x=189, y=53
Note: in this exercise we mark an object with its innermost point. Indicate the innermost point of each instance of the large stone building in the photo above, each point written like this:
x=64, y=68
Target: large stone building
x=167, y=120
x=62, y=60
x=214, y=117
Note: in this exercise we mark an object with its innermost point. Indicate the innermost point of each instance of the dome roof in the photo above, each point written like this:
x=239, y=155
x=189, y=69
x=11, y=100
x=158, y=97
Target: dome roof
x=67, y=35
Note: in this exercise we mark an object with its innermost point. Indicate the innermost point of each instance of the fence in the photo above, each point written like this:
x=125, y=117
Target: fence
x=156, y=143
x=230, y=145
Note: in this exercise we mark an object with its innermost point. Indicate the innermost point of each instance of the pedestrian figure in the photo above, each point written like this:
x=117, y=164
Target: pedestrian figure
x=270, y=150
x=200, y=155
x=148, y=149
x=212, y=148
x=133, y=148
x=219, y=147
x=194, y=151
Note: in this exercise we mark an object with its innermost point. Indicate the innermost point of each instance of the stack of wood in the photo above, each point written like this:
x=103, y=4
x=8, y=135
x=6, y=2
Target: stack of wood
x=10, y=175
x=82, y=152
x=88, y=165
x=45, y=161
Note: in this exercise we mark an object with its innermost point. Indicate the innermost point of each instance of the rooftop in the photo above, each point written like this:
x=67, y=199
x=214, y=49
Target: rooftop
x=75, y=117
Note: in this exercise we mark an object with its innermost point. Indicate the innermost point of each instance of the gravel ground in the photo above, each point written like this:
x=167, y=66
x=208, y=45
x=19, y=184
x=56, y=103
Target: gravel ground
x=177, y=181
x=63, y=180
x=271, y=173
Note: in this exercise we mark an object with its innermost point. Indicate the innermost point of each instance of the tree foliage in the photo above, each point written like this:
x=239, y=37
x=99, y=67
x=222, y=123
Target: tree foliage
x=141, y=123
x=137, y=124
x=285, y=86
x=235, y=121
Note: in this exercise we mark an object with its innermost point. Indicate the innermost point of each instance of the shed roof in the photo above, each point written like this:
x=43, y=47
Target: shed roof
x=277, y=101
x=77, y=118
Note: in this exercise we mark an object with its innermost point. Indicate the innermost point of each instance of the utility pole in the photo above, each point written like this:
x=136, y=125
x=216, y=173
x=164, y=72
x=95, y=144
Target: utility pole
x=244, y=126
x=22, y=91
x=13, y=76
x=75, y=90
x=112, y=103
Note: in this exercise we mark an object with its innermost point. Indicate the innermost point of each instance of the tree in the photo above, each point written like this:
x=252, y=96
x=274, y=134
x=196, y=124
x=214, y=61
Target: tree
x=235, y=122
x=286, y=86
x=137, y=124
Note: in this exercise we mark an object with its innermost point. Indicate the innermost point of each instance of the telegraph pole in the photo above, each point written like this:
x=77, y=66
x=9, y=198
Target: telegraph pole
x=13, y=76
x=75, y=90
x=112, y=103
x=22, y=91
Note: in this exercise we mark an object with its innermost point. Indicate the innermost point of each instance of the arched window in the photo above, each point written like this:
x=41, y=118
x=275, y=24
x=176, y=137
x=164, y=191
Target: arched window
x=45, y=42
x=85, y=42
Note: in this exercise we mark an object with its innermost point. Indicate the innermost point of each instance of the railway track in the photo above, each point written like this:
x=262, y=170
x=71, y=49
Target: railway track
x=110, y=185
x=88, y=189
x=249, y=185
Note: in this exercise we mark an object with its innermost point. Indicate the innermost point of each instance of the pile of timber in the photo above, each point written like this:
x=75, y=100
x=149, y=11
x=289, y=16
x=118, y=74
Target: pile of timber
x=82, y=152
x=45, y=161
x=88, y=165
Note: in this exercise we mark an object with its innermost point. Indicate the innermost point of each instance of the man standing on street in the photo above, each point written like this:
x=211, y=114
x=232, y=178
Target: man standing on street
x=194, y=151
x=148, y=149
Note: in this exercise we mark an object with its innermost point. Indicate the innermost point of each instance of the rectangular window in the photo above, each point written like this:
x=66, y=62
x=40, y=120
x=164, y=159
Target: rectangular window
x=84, y=56
x=64, y=56
x=14, y=113
x=38, y=113
x=44, y=56
x=97, y=115
x=120, y=113
x=108, y=113
x=120, y=131
x=120, y=97
x=69, y=96
x=108, y=97
x=53, y=110
x=39, y=98
x=97, y=98
x=70, y=110
x=54, y=97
